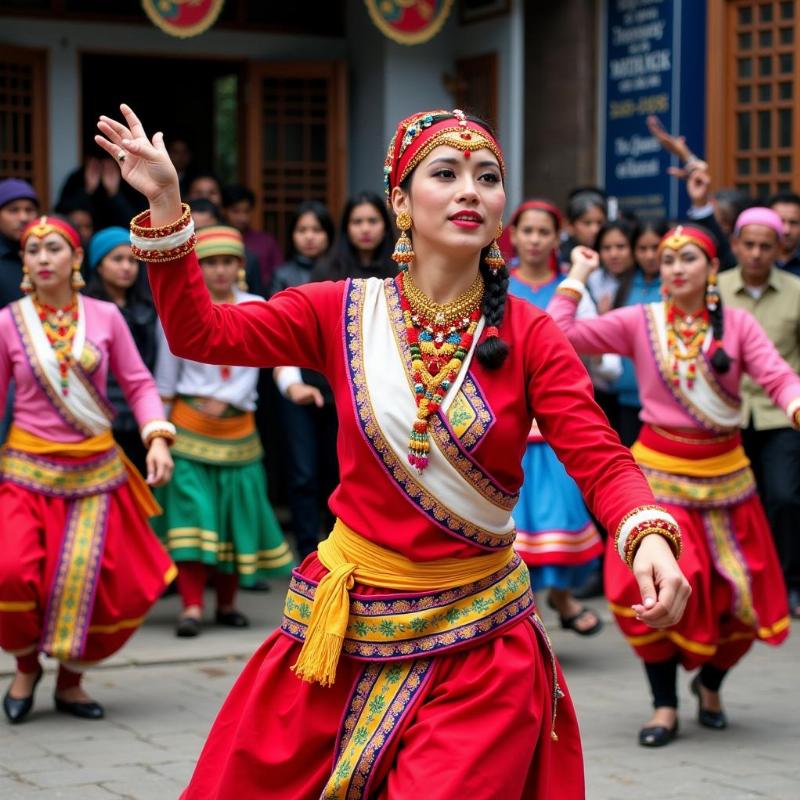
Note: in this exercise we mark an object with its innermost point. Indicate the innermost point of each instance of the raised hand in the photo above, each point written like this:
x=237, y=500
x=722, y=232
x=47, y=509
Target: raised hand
x=584, y=262
x=144, y=163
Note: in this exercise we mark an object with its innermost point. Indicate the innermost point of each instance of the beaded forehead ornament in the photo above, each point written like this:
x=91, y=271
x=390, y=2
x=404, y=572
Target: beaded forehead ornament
x=44, y=226
x=686, y=234
x=419, y=134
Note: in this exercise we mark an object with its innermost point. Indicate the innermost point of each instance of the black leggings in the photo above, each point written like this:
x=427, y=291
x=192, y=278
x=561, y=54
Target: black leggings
x=663, y=679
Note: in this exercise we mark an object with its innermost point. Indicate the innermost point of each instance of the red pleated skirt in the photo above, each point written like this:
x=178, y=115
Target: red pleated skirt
x=481, y=730
x=133, y=571
x=729, y=558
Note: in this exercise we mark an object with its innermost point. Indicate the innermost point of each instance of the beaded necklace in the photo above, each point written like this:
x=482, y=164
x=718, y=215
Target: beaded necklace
x=691, y=330
x=439, y=338
x=60, y=326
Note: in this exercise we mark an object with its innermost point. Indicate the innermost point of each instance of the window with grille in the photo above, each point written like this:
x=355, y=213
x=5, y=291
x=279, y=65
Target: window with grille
x=23, y=123
x=755, y=102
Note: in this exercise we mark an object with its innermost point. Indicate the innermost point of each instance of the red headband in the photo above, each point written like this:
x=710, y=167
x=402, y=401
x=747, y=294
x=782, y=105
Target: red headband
x=46, y=225
x=687, y=234
x=538, y=205
x=416, y=136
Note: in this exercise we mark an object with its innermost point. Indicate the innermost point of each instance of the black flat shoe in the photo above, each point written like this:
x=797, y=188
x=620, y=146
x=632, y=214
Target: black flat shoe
x=657, y=735
x=716, y=720
x=570, y=623
x=17, y=708
x=232, y=619
x=187, y=627
x=87, y=710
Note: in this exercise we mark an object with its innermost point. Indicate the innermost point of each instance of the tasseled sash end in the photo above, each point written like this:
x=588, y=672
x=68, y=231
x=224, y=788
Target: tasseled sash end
x=320, y=653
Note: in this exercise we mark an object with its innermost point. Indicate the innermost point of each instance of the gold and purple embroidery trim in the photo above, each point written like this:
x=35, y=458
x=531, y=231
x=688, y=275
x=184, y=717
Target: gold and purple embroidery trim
x=38, y=373
x=382, y=700
x=424, y=501
x=702, y=493
x=393, y=627
x=452, y=447
x=209, y=450
x=102, y=473
x=730, y=564
x=71, y=598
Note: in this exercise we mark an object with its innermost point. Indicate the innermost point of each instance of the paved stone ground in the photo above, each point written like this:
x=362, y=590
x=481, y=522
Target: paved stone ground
x=161, y=695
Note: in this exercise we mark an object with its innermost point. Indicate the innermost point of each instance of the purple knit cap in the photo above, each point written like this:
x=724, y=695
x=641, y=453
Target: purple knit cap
x=759, y=215
x=13, y=189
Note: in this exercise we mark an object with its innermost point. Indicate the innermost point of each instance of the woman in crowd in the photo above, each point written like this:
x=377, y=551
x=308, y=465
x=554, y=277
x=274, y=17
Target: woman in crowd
x=690, y=355
x=115, y=278
x=308, y=411
x=555, y=534
x=364, y=246
x=408, y=648
x=217, y=518
x=587, y=212
x=79, y=564
x=641, y=284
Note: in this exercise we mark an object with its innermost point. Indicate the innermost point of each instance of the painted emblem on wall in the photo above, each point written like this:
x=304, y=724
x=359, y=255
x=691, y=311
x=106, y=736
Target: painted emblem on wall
x=183, y=18
x=409, y=21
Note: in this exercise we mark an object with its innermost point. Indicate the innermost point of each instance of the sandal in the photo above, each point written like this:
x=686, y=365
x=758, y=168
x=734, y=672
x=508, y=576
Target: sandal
x=569, y=623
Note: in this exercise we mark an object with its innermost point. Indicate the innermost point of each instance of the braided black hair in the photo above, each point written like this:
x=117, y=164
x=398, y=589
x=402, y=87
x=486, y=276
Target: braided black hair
x=493, y=350
x=720, y=360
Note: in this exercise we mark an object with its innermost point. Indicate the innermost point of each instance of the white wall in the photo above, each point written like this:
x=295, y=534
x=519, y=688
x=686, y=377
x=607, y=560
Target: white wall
x=65, y=40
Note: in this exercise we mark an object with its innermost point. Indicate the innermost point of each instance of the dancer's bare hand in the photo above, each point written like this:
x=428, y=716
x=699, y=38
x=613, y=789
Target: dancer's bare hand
x=159, y=463
x=146, y=166
x=664, y=589
x=303, y=394
x=584, y=262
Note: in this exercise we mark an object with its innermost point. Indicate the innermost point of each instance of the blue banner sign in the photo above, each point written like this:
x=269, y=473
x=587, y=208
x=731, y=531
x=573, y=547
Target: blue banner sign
x=653, y=63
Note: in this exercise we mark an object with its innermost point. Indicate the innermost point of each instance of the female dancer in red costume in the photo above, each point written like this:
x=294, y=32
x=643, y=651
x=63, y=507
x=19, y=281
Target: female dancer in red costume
x=410, y=661
x=690, y=355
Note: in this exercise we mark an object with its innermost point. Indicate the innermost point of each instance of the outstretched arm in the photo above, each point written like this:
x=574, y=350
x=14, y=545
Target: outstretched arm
x=613, y=332
x=286, y=330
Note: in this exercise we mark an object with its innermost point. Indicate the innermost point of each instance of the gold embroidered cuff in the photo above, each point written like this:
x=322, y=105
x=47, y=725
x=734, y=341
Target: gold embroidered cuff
x=642, y=522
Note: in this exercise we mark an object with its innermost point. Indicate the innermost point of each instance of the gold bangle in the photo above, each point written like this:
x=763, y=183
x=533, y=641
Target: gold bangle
x=665, y=530
x=138, y=227
x=166, y=435
x=572, y=294
x=162, y=256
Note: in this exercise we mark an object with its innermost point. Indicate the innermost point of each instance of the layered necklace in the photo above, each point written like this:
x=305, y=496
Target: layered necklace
x=60, y=326
x=690, y=331
x=439, y=338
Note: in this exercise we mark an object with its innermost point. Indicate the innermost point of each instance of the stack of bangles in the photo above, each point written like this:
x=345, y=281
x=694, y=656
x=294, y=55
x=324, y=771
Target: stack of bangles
x=167, y=243
x=158, y=429
x=644, y=522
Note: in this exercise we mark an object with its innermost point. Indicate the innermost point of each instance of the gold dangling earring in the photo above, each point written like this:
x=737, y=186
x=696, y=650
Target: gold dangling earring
x=25, y=286
x=77, y=279
x=403, y=250
x=241, y=280
x=494, y=258
x=712, y=294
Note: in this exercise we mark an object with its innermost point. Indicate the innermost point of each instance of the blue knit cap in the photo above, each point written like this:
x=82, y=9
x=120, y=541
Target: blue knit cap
x=104, y=241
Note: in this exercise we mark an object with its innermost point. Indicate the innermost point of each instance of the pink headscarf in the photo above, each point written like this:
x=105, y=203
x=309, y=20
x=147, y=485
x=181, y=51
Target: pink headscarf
x=759, y=215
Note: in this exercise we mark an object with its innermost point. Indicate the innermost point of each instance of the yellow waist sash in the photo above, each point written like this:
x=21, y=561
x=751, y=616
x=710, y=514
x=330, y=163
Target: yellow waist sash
x=712, y=467
x=19, y=439
x=350, y=558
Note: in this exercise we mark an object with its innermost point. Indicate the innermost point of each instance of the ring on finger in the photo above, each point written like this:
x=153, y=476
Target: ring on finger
x=121, y=156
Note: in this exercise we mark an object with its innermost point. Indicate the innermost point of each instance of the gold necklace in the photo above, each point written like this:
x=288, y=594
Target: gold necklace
x=440, y=315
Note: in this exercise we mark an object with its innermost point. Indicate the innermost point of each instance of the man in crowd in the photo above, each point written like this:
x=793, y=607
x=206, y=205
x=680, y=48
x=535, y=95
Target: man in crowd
x=787, y=206
x=772, y=296
x=19, y=205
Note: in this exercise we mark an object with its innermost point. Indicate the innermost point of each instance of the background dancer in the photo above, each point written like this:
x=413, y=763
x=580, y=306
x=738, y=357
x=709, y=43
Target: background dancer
x=690, y=355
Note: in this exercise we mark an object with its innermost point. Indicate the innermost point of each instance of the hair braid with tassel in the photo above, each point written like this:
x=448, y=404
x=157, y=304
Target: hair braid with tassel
x=493, y=351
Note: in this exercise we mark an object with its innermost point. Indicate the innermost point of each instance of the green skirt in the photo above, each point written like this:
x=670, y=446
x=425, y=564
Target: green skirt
x=220, y=515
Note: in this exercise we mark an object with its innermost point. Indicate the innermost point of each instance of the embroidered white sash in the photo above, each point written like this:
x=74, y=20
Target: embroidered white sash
x=79, y=403
x=706, y=400
x=394, y=409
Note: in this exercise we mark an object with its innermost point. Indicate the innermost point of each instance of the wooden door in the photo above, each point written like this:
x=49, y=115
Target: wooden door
x=296, y=146
x=754, y=94
x=23, y=117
